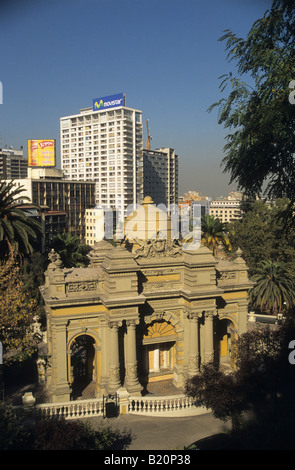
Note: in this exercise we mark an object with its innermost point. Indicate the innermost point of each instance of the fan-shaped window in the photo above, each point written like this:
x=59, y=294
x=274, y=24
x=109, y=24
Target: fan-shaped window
x=159, y=342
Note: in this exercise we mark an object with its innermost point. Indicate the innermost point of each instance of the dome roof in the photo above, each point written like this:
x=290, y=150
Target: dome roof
x=148, y=221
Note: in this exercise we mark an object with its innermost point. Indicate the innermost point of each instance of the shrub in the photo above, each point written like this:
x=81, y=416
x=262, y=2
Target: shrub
x=53, y=434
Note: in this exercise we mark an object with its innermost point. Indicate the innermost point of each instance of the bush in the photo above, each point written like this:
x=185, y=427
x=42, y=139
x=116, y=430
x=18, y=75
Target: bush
x=12, y=432
x=52, y=434
x=57, y=434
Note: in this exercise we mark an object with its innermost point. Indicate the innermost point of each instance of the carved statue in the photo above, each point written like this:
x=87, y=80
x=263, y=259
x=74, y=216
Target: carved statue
x=55, y=261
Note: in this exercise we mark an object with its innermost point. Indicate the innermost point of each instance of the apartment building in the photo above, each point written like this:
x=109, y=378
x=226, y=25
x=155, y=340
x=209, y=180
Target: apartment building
x=13, y=164
x=225, y=210
x=100, y=223
x=48, y=188
x=160, y=175
x=104, y=144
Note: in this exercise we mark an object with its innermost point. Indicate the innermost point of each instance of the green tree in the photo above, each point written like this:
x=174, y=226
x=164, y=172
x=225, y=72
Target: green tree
x=257, y=112
x=32, y=275
x=71, y=250
x=261, y=235
x=53, y=434
x=13, y=435
x=17, y=311
x=57, y=434
x=273, y=291
x=262, y=372
x=284, y=233
x=18, y=231
x=222, y=393
x=253, y=233
x=214, y=232
x=261, y=358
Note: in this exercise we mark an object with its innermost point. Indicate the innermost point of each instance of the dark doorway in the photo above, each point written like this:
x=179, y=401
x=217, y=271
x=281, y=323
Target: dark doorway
x=82, y=364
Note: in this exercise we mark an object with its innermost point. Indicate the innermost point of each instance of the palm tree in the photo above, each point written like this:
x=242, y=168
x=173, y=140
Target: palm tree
x=18, y=231
x=273, y=289
x=214, y=232
x=72, y=252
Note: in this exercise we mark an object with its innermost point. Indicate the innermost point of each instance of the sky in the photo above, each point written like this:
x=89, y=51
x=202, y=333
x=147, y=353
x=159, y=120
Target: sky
x=56, y=56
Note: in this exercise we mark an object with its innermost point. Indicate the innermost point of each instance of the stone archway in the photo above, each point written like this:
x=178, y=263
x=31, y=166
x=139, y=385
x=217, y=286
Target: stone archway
x=83, y=366
x=159, y=351
x=224, y=341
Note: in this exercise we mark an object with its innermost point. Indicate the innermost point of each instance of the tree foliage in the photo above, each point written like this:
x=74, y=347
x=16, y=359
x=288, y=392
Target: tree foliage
x=261, y=235
x=257, y=112
x=13, y=435
x=17, y=311
x=73, y=253
x=213, y=233
x=18, y=231
x=273, y=291
x=262, y=361
x=262, y=371
x=52, y=434
x=32, y=271
x=57, y=434
x=223, y=394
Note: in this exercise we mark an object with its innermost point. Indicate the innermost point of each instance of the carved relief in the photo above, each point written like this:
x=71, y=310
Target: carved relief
x=159, y=272
x=164, y=303
x=228, y=275
x=155, y=285
x=158, y=247
x=194, y=362
x=131, y=371
x=82, y=286
x=114, y=374
x=159, y=329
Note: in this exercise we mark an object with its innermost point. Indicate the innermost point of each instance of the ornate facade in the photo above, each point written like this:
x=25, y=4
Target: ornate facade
x=141, y=312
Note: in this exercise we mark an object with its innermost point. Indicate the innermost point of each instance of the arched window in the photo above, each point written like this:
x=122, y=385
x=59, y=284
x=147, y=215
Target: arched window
x=159, y=347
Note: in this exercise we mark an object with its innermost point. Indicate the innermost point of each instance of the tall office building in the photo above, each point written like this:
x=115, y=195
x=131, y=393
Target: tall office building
x=47, y=188
x=13, y=164
x=160, y=175
x=104, y=144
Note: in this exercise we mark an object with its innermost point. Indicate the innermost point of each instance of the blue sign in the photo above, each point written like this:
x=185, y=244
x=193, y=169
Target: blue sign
x=108, y=102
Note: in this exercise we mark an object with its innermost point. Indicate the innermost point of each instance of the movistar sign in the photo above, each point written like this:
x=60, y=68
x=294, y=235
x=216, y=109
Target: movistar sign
x=109, y=102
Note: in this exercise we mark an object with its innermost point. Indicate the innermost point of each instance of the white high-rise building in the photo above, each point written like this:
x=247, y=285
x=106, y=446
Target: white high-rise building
x=104, y=144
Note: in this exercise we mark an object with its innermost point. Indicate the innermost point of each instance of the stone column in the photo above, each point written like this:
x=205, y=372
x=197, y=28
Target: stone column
x=209, y=344
x=70, y=371
x=114, y=366
x=194, y=345
x=97, y=370
x=131, y=378
x=61, y=388
x=242, y=316
x=104, y=330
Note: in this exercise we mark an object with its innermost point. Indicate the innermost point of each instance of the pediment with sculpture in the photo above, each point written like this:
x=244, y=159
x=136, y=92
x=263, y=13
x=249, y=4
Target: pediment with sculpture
x=158, y=247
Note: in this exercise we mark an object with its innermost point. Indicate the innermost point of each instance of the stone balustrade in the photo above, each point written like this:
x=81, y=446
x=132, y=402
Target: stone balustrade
x=168, y=406
x=71, y=409
x=174, y=406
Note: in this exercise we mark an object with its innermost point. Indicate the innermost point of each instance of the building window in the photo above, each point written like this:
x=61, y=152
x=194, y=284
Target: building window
x=160, y=357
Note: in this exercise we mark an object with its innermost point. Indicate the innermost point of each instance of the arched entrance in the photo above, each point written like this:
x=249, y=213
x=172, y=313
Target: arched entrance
x=159, y=352
x=82, y=366
x=225, y=338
